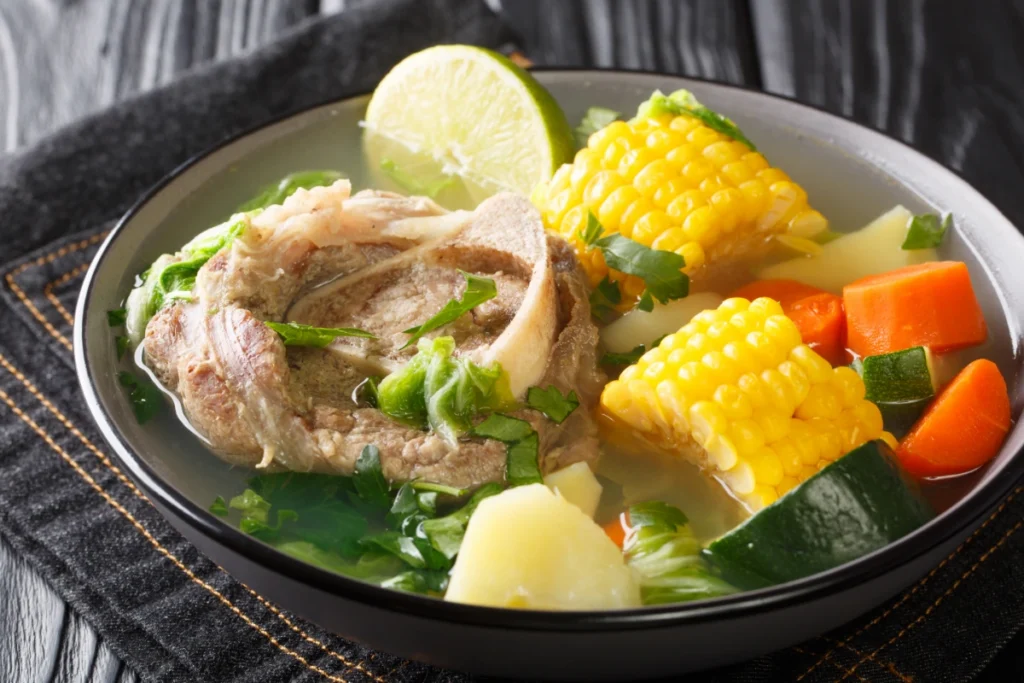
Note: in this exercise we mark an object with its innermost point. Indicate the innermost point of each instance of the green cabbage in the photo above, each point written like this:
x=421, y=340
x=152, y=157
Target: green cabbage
x=442, y=392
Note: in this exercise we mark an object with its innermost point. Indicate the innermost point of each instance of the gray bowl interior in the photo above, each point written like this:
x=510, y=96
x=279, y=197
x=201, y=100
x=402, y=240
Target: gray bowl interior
x=852, y=175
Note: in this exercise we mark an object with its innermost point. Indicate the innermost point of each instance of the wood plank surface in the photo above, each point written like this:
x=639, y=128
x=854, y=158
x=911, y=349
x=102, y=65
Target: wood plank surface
x=945, y=77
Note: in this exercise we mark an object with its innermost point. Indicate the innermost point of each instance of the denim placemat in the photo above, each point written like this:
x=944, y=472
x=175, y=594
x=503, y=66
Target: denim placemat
x=171, y=613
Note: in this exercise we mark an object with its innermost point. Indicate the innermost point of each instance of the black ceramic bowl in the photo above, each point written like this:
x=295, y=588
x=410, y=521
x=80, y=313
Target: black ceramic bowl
x=852, y=175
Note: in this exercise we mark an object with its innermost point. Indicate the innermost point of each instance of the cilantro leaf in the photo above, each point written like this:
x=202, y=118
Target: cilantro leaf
x=682, y=102
x=117, y=317
x=926, y=231
x=646, y=303
x=219, y=507
x=297, y=334
x=656, y=513
x=661, y=271
x=605, y=297
x=416, y=552
x=627, y=358
x=368, y=392
x=423, y=581
x=521, y=447
x=446, y=533
x=286, y=187
x=478, y=290
x=369, y=479
x=439, y=488
x=121, y=345
x=145, y=397
x=552, y=403
x=593, y=229
x=412, y=184
x=594, y=120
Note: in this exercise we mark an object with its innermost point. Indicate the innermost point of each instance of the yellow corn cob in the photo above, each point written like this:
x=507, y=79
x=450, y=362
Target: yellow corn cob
x=738, y=393
x=674, y=184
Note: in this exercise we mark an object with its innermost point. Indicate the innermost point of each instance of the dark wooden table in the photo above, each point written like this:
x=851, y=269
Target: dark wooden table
x=944, y=76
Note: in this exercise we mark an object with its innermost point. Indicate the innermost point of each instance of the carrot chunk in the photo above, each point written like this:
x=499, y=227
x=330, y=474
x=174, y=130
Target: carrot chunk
x=963, y=428
x=786, y=292
x=818, y=314
x=931, y=304
x=822, y=325
x=616, y=529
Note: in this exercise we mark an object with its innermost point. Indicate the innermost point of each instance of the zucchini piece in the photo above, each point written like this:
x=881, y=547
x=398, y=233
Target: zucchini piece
x=858, y=504
x=901, y=384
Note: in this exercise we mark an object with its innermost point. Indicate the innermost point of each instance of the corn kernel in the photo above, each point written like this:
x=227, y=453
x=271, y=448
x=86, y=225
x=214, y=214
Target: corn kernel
x=650, y=226
x=602, y=184
x=747, y=436
x=670, y=240
x=706, y=419
x=635, y=161
x=767, y=466
x=849, y=385
x=734, y=403
x=817, y=368
x=669, y=191
x=614, y=205
x=696, y=170
x=634, y=212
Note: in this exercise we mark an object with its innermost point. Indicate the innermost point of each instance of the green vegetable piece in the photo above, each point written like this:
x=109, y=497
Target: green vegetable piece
x=901, y=384
x=552, y=402
x=116, y=317
x=439, y=488
x=926, y=231
x=415, y=552
x=256, y=515
x=145, y=397
x=297, y=334
x=656, y=513
x=436, y=390
x=594, y=120
x=412, y=184
x=590, y=233
x=628, y=358
x=287, y=186
x=604, y=299
x=661, y=271
x=322, y=509
x=899, y=376
x=370, y=566
x=369, y=479
x=367, y=393
x=219, y=507
x=478, y=290
x=682, y=102
x=646, y=302
x=861, y=502
x=121, y=344
x=665, y=555
x=521, y=447
x=445, y=533
x=423, y=581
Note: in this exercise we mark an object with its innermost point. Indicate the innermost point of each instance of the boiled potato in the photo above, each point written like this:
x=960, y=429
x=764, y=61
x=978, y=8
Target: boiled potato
x=873, y=249
x=578, y=485
x=639, y=327
x=530, y=548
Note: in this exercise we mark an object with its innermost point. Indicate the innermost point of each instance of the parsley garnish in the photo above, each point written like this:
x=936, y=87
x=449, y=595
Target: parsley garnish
x=121, y=344
x=369, y=479
x=478, y=290
x=297, y=334
x=117, y=317
x=926, y=231
x=552, y=403
x=521, y=447
x=682, y=102
x=219, y=507
x=145, y=397
x=605, y=297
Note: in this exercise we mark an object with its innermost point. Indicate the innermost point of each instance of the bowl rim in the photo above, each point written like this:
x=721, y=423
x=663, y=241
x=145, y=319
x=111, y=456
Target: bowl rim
x=931, y=536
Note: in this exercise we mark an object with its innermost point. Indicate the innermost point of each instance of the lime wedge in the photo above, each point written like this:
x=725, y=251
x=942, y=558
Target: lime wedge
x=462, y=112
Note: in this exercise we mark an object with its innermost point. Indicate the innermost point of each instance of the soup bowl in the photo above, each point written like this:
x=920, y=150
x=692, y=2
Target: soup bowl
x=852, y=174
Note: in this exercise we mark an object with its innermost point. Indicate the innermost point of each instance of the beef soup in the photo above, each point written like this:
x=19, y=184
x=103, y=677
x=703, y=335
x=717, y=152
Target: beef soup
x=660, y=377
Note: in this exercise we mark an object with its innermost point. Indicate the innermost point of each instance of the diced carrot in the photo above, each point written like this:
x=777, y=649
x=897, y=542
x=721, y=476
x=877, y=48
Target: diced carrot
x=786, y=292
x=822, y=325
x=818, y=314
x=963, y=428
x=616, y=529
x=931, y=304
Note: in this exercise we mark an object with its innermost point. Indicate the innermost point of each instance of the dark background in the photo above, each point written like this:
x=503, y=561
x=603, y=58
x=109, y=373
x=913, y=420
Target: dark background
x=946, y=76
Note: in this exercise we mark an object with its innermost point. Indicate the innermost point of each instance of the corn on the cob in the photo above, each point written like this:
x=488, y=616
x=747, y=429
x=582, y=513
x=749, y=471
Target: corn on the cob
x=673, y=183
x=738, y=393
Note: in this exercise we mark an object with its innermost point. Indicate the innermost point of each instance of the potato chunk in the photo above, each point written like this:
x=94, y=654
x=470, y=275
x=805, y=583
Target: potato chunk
x=578, y=485
x=530, y=548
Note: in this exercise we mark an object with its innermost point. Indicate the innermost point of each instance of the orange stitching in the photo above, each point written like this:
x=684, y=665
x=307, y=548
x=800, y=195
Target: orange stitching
x=917, y=586
x=120, y=475
x=888, y=665
x=47, y=258
x=48, y=291
x=154, y=542
x=71, y=427
x=837, y=666
x=938, y=601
